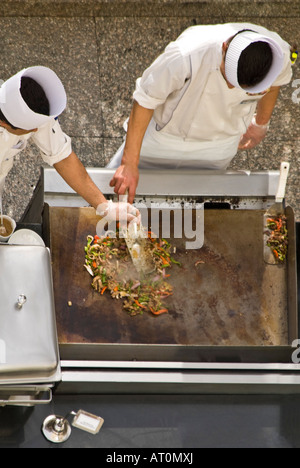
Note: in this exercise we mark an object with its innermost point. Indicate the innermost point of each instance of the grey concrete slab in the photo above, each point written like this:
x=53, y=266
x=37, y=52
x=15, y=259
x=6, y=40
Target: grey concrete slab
x=90, y=150
x=100, y=47
x=111, y=145
x=69, y=47
x=21, y=182
x=126, y=47
x=157, y=8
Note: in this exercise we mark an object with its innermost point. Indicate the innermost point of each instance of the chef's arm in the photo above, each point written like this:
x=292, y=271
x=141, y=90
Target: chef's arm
x=258, y=128
x=137, y=125
x=126, y=177
x=266, y=106
x=74, y=173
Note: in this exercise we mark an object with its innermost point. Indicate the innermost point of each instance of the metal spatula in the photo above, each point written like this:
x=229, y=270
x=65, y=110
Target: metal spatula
x=136, y=241
x=137, y=245
x=277, y=209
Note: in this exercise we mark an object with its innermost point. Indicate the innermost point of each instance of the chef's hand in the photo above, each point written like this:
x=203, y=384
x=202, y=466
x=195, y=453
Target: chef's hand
x=254, y=135
x=119, y=211
x=125, y=180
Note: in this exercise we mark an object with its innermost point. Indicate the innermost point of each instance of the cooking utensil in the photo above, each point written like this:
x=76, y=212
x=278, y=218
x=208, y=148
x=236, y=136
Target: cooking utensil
x=135, y=237
x=277, y=209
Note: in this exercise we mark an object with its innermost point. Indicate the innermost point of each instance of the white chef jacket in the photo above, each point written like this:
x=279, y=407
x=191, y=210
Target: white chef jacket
x=50, y=139
x=196, y=116
x=184, y=89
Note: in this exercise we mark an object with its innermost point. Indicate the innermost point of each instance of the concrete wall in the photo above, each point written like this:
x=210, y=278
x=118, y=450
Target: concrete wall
x=99, y=48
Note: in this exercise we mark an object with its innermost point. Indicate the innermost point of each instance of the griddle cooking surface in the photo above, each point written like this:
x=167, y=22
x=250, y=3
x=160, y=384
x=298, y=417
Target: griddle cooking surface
x=232, y=299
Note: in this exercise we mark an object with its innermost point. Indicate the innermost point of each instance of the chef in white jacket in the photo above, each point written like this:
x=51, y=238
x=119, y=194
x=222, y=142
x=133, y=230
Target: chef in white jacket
x=209, y=94
x=30, y=103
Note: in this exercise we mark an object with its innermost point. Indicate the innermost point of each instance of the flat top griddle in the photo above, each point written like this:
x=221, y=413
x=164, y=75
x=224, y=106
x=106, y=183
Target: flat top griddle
x=232, y=299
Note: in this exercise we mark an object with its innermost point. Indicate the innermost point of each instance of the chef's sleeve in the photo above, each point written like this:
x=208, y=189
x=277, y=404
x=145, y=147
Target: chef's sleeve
x=54, y=144
x=168, y=73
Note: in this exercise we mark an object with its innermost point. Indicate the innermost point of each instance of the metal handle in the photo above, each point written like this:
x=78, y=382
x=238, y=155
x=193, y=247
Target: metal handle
x=284, y=171
x=26, y=398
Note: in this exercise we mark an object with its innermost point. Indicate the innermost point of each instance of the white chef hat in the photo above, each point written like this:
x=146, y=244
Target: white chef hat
x=15, y=109
x=238, y=44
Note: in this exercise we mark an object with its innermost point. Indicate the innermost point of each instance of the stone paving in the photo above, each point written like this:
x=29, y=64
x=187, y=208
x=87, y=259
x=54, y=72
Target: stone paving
x=99, y=48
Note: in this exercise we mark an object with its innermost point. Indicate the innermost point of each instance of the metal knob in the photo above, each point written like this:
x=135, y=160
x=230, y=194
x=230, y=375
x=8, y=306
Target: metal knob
x=56, y=429
x=21, y=301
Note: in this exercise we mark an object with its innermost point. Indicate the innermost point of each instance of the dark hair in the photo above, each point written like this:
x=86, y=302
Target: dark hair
x=254, y=63
x=34, y=96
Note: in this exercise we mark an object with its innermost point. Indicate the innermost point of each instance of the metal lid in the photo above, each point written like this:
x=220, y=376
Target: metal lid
x=28, y=337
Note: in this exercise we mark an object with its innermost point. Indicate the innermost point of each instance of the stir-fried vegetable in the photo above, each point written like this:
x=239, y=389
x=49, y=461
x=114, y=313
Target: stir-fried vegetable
x=278, y=237
x=108, y=261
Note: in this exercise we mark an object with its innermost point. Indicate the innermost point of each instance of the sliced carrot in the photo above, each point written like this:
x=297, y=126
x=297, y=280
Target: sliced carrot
x=103, y=289
x=163, y=250
x=165, y=261
x=158, y=312
x=139, y=304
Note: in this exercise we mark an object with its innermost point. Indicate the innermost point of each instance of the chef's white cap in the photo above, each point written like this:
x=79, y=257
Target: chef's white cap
x=15, y=109
x=238, y=44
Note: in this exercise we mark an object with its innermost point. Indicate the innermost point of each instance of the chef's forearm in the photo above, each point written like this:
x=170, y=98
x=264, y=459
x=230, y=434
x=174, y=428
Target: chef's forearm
x=139, y=120
x=74, y=173
x=266, y=106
